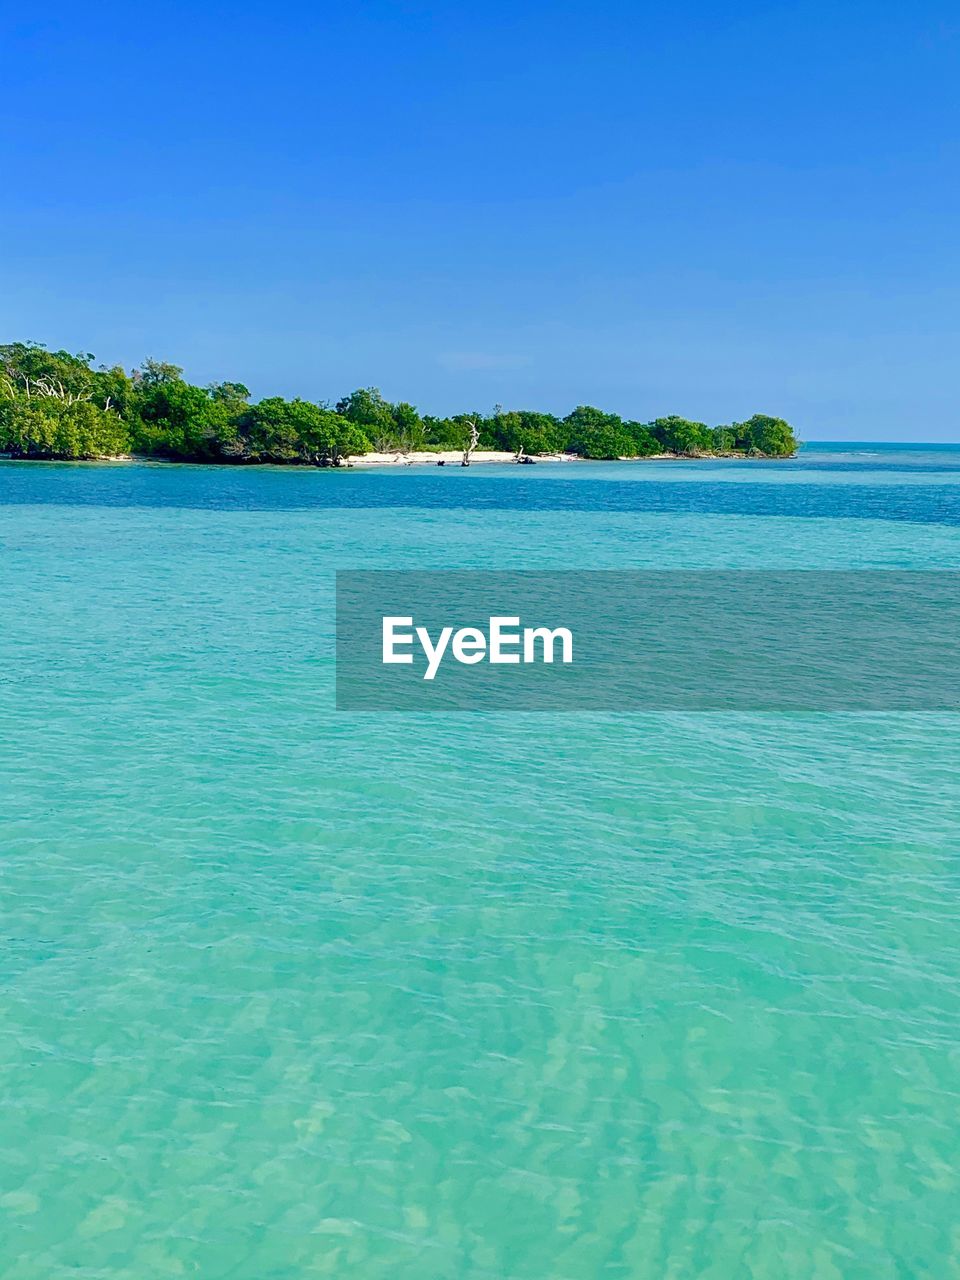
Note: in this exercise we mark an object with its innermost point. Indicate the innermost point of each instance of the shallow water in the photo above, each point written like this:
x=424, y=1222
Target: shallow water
x=288, y=992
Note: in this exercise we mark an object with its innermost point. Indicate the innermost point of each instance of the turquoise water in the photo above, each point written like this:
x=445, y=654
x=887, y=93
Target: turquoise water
x=291, y=993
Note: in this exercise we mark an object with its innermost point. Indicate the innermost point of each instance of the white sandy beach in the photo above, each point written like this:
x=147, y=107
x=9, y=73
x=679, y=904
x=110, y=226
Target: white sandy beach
x=454, y=457
x=450, y=457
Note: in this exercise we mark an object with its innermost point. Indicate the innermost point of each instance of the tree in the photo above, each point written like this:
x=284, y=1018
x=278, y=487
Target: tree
x=277, y=430
x=645, y=443
x=472, y=441
x=772, y=437
x=27, y=427
x=449, y=433
x=524, y=431
x=232, y=393
x=114, y=389
x=36, y=371
x=680, y=435
x=155, y=373
x=503, y=430
x=86, y=431
x=48, y=426
x=177, y=420
x=595, y=434
x=407, y=426
x=337, y=438
x=368, y=409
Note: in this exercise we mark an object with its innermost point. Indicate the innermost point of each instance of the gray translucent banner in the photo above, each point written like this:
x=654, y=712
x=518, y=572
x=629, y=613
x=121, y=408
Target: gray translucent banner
x=649, y=641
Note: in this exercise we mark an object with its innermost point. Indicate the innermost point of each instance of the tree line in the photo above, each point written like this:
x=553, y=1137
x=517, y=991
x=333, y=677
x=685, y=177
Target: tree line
x=57, y=405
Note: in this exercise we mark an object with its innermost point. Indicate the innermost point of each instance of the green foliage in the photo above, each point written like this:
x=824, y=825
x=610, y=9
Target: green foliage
x=645, y=443
x=57, y=405
x=338, y=438
x=177, y=420
x=86, y=431
x=114, y=389
x=50, y=406
x=367, y=408
x=234, y=394
x=46, y=426
x=384, y=425
x=681, y=436
x=524, y=430
x=408, y=426
x=761, y=434
x=277, y=430
x=156, y=373
x=34, y=370
x=451, y=433
x=594, y=434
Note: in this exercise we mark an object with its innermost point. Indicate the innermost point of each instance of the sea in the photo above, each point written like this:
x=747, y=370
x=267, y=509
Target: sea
x=287, y=991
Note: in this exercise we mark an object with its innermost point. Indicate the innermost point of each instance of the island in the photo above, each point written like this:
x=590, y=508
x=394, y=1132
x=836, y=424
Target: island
x=55, y=405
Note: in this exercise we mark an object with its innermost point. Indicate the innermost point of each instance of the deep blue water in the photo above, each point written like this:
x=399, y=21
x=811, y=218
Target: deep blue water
x=876, y=482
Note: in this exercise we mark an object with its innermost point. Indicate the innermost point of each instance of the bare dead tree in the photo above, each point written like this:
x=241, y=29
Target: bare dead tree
x=48, y=388
x=474, y=441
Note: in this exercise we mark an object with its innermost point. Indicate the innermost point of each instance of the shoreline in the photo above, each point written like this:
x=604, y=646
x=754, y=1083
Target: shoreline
x=416, y=458
x=453, y=457
x=449, y=458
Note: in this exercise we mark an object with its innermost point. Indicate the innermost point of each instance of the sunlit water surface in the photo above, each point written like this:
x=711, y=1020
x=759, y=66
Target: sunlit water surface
x=291, y=993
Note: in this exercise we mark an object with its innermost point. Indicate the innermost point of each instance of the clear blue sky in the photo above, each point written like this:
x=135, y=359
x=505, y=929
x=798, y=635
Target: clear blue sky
x=707, y=209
